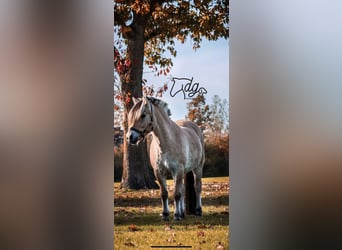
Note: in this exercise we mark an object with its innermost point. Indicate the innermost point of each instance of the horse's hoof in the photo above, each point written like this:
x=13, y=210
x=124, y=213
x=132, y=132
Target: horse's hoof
x=165, y=216
x=198, y=212
x=177, y=217
x=182, y=215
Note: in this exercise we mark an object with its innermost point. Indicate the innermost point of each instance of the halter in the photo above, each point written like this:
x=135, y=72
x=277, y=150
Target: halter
x=150, y=125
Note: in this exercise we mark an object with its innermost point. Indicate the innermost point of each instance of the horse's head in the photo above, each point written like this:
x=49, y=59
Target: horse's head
x=140, y=120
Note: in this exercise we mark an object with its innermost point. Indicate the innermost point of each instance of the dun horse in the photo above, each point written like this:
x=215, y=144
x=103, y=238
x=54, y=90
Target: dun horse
x=176, y=148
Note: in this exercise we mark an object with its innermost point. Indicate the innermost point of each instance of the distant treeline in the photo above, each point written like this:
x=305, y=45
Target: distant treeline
x=216, y=163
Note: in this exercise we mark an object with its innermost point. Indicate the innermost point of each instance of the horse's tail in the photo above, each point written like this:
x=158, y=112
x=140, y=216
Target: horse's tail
x=201, y=135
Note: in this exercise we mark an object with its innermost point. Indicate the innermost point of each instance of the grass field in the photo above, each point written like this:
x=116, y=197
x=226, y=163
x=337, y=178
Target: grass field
x=138, y=225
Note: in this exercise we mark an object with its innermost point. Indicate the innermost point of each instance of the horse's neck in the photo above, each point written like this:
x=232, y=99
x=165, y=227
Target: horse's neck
x=164, y=129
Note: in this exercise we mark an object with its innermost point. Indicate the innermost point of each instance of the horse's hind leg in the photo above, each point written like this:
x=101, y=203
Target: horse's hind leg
x=164, y=195
x=198, y=189
x=182, y=207
x=179, y=196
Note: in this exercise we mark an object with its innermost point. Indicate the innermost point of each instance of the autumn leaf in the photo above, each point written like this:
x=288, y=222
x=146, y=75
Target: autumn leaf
x=133, y=228
x=200, y=233
x=219, y=246
x=129, y=244
x=116, y=107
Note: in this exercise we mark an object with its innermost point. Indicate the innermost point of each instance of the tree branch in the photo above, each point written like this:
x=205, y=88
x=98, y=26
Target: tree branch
x=118, y=21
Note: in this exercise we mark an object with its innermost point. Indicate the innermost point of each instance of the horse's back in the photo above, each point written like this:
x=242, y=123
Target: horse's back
x=190, y=125
x=194, y=132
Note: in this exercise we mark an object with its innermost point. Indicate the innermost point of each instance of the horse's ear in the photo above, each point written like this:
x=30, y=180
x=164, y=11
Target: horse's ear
x=145, y=100
x=135, y=100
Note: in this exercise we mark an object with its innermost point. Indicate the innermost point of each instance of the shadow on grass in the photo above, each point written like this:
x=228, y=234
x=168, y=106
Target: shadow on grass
x=154, y=201
x=146, y=219
x=130, y=211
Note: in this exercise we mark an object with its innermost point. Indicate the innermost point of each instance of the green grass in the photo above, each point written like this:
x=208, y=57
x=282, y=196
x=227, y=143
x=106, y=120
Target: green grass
x=138, y=224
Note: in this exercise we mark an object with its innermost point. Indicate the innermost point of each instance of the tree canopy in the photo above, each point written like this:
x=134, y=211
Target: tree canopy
x=198, y=112
x=167, y=21
x=212, y=119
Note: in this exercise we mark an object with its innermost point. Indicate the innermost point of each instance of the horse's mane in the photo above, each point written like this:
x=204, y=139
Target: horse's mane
x=163, y=105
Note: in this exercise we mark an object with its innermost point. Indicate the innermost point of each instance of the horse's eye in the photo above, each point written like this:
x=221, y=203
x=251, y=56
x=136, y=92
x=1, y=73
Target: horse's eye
x=143, y=116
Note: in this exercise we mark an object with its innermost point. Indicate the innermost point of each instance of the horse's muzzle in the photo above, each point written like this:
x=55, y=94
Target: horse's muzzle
x=134, y=137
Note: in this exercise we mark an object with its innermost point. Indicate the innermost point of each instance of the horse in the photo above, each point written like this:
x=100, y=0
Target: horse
x=176, y=148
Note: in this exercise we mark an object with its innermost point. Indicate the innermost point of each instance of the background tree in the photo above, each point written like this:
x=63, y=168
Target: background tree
x=148, y=29
x=219, y=116
x=198, y=112
x=213, y=119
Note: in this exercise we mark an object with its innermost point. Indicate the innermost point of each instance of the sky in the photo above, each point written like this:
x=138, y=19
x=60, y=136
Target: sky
x=208, y=65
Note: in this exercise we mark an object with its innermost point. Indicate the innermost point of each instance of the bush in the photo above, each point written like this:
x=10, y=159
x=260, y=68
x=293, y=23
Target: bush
x=217, y=156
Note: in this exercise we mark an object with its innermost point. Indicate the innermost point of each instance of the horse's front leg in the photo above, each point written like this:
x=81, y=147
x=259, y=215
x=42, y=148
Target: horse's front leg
x=179, y=196
x=163, y=194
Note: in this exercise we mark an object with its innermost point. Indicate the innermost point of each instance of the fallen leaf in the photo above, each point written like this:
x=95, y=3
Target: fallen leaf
x=200, y=233
x=129, y=244
x=133, y=228
x=219, y=246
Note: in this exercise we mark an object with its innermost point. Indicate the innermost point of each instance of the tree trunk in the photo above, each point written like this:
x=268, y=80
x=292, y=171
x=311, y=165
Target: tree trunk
x=137, y=171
